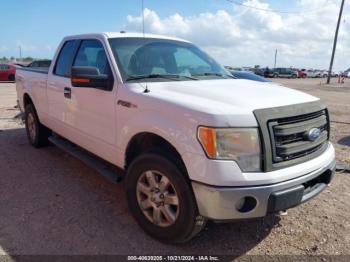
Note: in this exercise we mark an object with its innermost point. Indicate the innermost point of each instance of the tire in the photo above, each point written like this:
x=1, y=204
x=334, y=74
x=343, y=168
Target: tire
x=11, y=78
x=275, y=75
x=37, y=133
x=186, y=221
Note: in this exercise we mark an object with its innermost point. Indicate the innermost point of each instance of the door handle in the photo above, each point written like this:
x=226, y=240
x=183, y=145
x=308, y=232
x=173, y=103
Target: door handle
x=67, y=92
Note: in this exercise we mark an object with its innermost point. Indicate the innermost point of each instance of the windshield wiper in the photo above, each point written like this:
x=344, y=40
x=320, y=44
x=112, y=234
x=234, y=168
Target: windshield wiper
x=173, y=77
x=214, y=74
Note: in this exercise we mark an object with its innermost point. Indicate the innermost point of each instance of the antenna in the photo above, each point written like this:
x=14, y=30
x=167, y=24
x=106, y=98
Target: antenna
x=146, y=90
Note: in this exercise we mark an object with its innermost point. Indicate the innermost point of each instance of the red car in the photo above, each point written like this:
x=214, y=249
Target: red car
x=7, y=72
x=300, y=73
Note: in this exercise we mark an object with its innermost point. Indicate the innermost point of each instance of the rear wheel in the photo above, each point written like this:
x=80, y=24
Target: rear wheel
x=37, y=133
x=161, y=200
x=11, y=78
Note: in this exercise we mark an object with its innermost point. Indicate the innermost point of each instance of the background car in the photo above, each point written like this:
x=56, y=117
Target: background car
x=313, y=73
x=324, y=73
x=284, y=72
x=335, y=74
x=248, y=76
x=259, y=71
x=300, y=72
x=7, y=72
x=40, y=63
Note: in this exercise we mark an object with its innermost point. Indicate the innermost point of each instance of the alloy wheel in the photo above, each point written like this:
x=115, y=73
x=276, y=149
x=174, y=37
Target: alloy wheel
x=157, y=198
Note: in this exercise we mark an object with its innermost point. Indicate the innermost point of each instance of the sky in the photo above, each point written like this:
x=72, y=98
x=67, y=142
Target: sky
x=233, y=34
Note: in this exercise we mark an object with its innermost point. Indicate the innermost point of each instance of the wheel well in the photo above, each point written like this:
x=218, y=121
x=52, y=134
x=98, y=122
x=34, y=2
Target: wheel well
x=27, y=100
x=149, y=142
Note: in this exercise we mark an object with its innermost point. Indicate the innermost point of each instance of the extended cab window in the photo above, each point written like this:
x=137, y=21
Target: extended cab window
x=91, y=53
x=63, y=64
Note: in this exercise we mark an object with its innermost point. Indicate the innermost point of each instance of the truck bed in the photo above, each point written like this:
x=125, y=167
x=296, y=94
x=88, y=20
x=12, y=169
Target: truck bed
x=42, y=70
x=33, y=81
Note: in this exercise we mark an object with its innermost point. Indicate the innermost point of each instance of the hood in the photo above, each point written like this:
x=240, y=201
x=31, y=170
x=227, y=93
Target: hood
x=233, y=98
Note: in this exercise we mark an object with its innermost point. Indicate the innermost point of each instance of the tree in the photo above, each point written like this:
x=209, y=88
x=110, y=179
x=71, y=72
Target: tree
x=28, y=59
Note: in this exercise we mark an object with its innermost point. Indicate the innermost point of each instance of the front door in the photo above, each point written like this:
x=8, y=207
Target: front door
x=91, y=111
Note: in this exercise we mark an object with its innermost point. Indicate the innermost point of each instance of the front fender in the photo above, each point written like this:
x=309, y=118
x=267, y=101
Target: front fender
x=182, y=135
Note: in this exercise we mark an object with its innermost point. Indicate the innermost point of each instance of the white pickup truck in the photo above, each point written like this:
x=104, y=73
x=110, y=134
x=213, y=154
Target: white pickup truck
x=195, y=143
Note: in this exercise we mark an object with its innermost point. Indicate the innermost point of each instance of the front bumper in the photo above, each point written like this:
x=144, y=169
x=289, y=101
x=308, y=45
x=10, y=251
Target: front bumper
x=228, y=203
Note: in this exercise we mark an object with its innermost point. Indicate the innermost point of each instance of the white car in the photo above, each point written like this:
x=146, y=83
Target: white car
x=313, y=73
x=194, y=143
x=324, y=73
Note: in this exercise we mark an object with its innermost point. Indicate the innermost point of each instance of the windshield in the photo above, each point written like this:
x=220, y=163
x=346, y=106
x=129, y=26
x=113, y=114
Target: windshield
x=162, y=60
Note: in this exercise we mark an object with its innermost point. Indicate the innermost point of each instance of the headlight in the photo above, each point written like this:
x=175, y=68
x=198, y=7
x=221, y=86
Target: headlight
x=239, y=144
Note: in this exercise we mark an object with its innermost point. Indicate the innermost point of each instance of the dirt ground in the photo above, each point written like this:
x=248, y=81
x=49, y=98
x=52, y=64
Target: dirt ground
x=52, y=204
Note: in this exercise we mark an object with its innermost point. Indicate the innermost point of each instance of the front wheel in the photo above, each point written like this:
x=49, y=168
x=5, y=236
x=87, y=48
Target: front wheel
x=161, y=200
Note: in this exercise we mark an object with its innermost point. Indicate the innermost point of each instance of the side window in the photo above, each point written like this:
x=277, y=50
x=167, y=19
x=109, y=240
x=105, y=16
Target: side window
x=63, y=66
x=91, y=53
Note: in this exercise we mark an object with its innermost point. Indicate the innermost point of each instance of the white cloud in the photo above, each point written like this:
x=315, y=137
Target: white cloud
x=250, y=36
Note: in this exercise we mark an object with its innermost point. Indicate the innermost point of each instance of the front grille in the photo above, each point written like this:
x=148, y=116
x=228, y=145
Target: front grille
x=289, y=135
x=285, y=133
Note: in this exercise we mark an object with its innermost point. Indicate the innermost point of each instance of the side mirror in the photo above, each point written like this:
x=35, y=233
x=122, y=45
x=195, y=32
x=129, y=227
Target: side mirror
x=88, y=76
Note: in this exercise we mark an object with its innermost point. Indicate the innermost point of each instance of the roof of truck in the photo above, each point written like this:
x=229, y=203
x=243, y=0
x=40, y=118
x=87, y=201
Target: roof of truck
x=123, y=34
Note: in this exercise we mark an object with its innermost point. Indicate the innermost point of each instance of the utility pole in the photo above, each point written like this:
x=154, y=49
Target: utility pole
x=275, y=59
x=20, y=52
x=335, y=42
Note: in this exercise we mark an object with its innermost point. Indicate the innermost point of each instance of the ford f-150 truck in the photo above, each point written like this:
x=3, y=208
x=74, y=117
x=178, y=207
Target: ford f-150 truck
x=193, y=143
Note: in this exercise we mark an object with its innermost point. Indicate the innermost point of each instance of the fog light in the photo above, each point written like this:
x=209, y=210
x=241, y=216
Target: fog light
x=246, y=204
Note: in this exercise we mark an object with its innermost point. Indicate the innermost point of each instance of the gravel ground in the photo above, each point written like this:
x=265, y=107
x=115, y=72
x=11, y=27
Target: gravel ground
x=52, y=204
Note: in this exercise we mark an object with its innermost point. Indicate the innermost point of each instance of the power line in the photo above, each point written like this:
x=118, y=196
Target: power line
x=278, y=11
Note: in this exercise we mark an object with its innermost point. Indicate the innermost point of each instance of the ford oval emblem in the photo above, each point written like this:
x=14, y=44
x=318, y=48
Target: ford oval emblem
x=313, y=134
